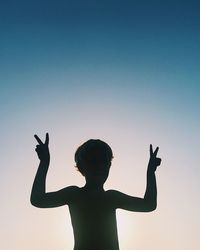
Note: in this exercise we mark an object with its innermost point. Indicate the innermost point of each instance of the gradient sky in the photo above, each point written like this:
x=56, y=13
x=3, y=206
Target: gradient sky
x=126, y=72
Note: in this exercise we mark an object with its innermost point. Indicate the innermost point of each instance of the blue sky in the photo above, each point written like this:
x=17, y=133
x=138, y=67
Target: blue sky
x=123, y=71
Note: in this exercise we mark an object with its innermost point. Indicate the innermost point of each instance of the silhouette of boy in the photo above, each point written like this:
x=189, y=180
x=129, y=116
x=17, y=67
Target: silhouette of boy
x=92, y=209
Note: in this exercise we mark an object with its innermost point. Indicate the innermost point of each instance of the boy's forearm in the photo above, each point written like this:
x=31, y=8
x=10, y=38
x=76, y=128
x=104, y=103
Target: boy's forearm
x=151, y=189
x=39, y=184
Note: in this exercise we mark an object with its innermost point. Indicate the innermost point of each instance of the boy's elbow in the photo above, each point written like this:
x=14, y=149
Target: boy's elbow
x=151, y=206
x=35, y=202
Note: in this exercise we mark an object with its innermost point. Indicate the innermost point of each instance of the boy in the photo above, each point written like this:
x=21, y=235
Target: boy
x=92, y=209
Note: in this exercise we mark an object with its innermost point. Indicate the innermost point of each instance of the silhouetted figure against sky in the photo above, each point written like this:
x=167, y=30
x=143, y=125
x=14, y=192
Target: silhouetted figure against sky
x=92, y=209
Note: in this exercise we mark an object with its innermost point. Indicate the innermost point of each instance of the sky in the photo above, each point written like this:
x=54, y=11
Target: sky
x=126, y=72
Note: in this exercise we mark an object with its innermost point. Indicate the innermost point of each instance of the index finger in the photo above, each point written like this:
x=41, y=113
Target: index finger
x=47, y=139
x=38, y=139
x=151, y=149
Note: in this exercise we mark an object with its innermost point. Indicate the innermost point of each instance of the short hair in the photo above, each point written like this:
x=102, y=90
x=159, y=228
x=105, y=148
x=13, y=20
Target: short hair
x=93, y=153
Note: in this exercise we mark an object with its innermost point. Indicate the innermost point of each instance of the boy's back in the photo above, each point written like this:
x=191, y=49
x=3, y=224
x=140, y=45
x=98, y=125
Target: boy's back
x=94, y=220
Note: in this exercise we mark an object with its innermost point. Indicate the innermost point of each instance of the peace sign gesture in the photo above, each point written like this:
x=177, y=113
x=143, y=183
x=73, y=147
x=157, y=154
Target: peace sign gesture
x=154, y=161
x=42, y=149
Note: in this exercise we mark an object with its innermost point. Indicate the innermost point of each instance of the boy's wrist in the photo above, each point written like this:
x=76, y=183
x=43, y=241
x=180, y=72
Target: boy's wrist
x=151, y=169
x=45, y=161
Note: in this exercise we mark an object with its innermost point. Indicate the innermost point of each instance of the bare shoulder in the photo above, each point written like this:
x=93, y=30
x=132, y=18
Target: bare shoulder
x=70, y=190
x=69, y=193
x=113, y=192
x=119, y=198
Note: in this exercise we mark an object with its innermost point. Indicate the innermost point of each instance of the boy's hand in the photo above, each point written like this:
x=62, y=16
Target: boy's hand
x=42, y=149
x=154, y=161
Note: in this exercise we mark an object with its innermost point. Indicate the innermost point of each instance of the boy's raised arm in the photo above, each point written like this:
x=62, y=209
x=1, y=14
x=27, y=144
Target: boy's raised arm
x=39, y=196
x=149, y=202
x=150, y=196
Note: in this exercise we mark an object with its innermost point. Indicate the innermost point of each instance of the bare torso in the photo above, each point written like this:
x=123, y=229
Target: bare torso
x=94, y=220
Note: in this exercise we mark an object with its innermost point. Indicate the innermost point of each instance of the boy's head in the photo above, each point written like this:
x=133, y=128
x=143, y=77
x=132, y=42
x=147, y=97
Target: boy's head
x=93, y=157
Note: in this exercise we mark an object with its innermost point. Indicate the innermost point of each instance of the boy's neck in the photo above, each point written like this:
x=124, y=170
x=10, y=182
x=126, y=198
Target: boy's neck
x=92, y=186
